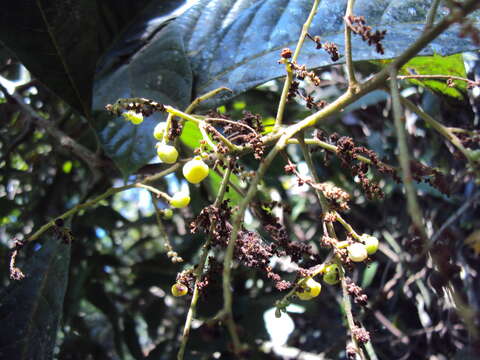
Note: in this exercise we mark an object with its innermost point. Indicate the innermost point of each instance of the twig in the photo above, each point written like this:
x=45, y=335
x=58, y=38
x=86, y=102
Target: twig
x=404, y=159
x=352, y=81
x=288, y=67
x=204, y=97
x=111, y=191
x=171, y=254
x=87, y=156
x=442, y=130
x=431, y=14
x=454, y=217
x=347, y=307
x=470, y=83
x=199, y=270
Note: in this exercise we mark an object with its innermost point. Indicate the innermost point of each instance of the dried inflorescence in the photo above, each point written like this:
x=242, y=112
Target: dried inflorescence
x=332, y=50
x=435, y=178
x=142, y=106
x=356, y=291
x=360, y=334
x=15, y=272
x=358, y=26
x=348, y=154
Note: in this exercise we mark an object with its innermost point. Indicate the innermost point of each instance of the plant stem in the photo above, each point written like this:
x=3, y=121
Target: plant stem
x=199, y=270
x=236, y=226
x=288, y=67
x=352, y=81
x=404, y=158
x=442, y=130
x=308, y=159
x=347, y=307
x=431, y=14
x=439, y=77
x=154, y=190
x=204, y=97
x=347, y=226
x=111, y=191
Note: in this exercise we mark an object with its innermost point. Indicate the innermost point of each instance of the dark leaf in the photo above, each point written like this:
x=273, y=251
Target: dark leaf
x=237, y=44
x=30, y=308
x=60, y=42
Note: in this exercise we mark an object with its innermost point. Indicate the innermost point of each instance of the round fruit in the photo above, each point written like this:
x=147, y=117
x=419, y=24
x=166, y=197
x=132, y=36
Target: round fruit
x=159, y=130
x=195, y=170
x=167, y=153
x=180, y=200
x=167, y=214
x=311, y=289
x=371, y=243
x=134, y=117
x=357, y=252
x=332, y=274
x=179, y=289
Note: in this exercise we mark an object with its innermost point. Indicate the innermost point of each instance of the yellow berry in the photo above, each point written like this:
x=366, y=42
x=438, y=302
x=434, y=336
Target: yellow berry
x=195, y=170
x=311, y=289
x=371, y=243
x=134, y=117
x=167, y=153
x=159, y=130
x=180, y=200
x=357, y=252
x=179, y=289
x=332, y=274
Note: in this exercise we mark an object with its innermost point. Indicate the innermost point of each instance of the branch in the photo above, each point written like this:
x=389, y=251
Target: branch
x=87, y=156
x=288, y=67
x=352, y=81
x=105, y=195
x=199, y=270
x=431, y=14
x=404, y=158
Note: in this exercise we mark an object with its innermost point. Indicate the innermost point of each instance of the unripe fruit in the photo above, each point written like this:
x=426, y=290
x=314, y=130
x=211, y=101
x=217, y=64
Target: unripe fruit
x=159, y=130
x=357, y=252
x=167, y=153
x=180, y=200
x=371, y=243
x=167, y=214
x=311, y=289
x=179, y=289
x=134, y=117
x=332, y=274
x=195, y=170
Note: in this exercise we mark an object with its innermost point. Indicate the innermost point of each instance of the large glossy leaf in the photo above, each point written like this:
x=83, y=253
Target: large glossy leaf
x=30, y=309
x=236, y=43
x=159, y=71
x=60, y=41
x=240, y=49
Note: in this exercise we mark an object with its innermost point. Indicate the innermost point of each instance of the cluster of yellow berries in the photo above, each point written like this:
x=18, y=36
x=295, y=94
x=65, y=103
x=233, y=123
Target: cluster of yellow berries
x=194, y=170
x=309, y=288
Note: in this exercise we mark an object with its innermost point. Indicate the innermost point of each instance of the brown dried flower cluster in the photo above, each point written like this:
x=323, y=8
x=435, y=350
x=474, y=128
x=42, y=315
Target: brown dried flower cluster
x=358, y=26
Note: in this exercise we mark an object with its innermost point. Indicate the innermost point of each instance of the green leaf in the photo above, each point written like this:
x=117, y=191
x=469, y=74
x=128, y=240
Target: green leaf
x=30, y=309
x=191, y=135
x=369, y=274
x=438, y=65
x=215, y=180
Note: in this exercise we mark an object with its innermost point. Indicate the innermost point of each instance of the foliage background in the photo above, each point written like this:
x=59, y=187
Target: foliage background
x=110, y=286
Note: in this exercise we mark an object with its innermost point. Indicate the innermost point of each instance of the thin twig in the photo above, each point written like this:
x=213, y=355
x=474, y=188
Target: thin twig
x=111, y=191
x=404, y=158
x=288, y=67
x=87, y=156
x=200, y=267
x=352, y=81
x=431, y=14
